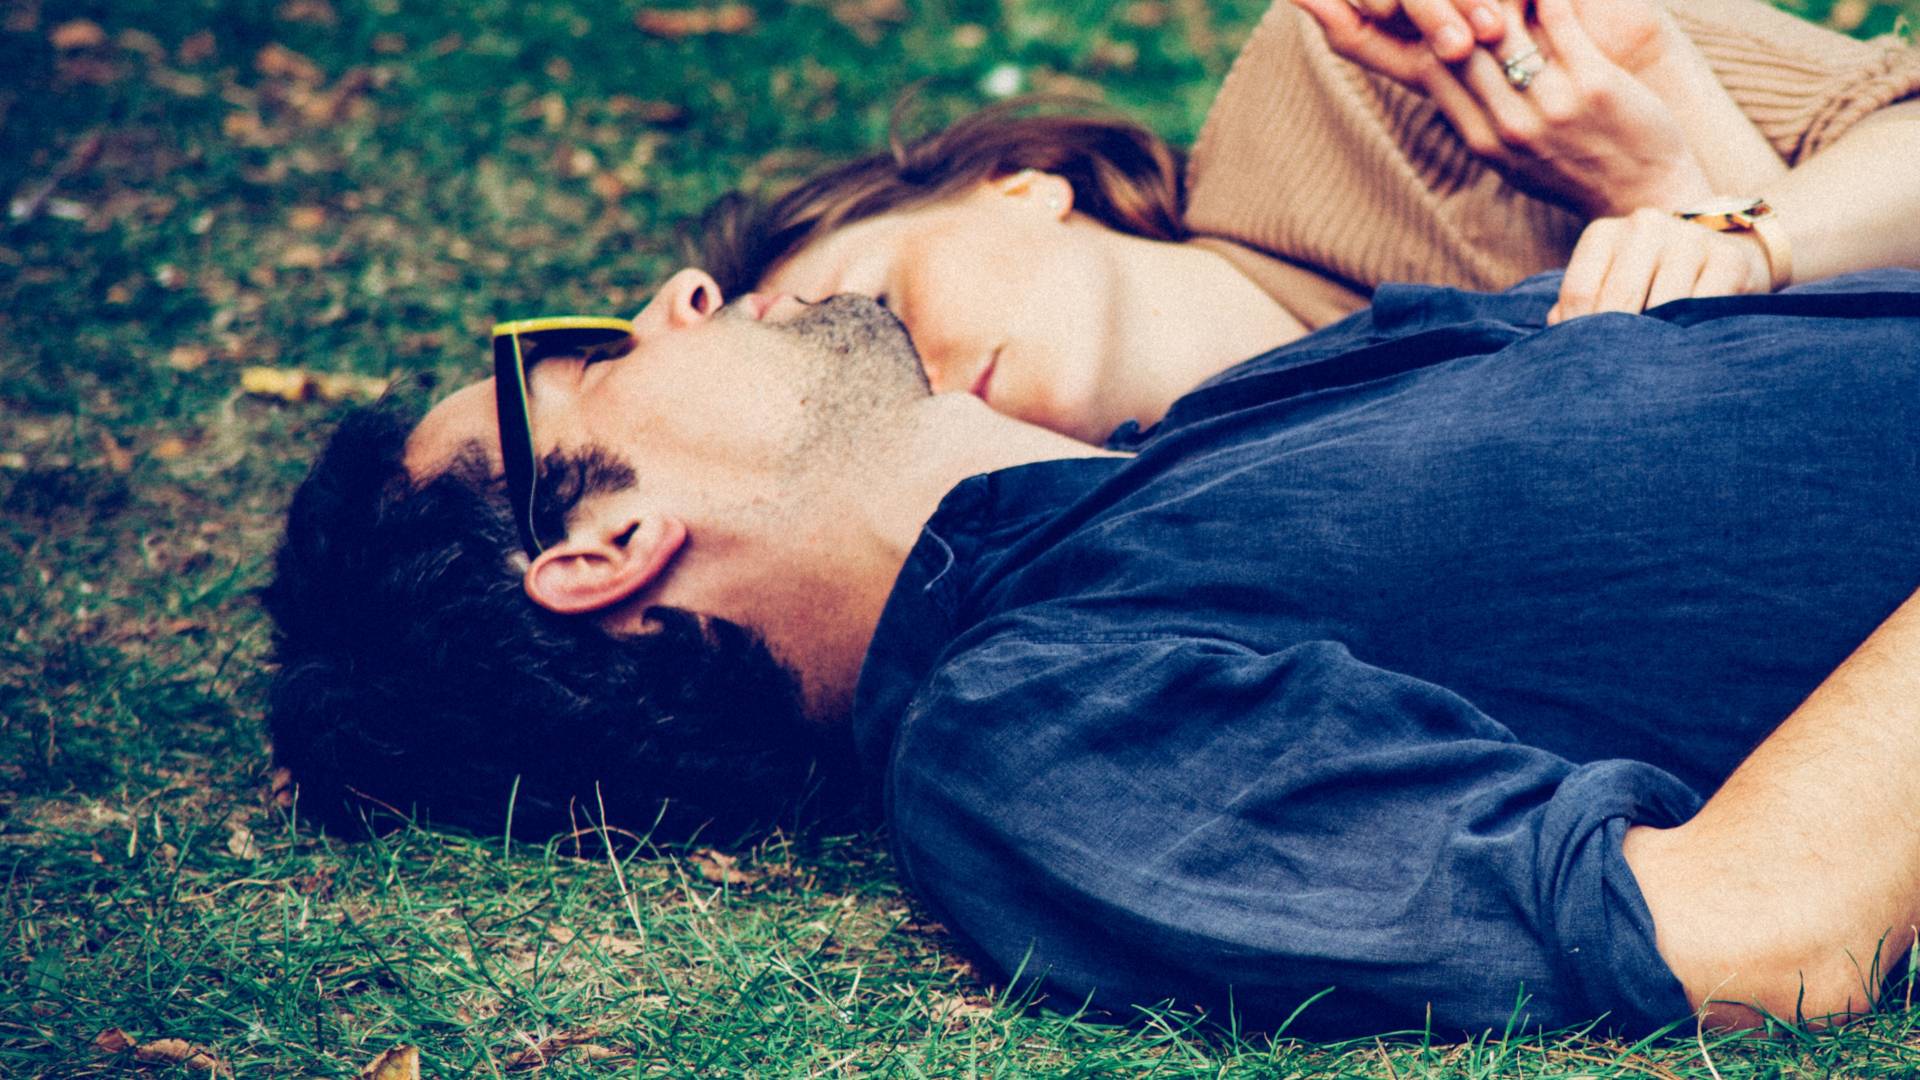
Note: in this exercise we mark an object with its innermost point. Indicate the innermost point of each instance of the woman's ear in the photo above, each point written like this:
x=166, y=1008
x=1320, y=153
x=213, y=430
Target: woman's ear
x=1049, y=191
x=595, y=568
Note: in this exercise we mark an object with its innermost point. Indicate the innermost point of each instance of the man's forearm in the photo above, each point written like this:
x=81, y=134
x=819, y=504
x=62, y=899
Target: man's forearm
x=1797, y=886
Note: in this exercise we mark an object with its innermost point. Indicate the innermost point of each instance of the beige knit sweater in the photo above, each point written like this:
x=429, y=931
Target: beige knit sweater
x=1320, y=180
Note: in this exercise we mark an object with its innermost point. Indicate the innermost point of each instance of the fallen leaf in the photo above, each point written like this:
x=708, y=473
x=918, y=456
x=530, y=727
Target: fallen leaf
x=282, y=790
x=113, y=1041
x=184, y=626
x=306, y=218
x=313, y=12
x=344, y=387
x=664, y=113
x=720, y=867
x=399, y=1063
x=276, y=61
x=139, y=41
x=180, y=1052
x=187, y=357
x=692, y=22
x=538, y=1055
x=389, y=44
x=956, y=1010
x=198, y=47
x=240, y=843
x=287, y=384
x=303, y=257
x=171, y=448
x=968, y=36
x=78, y=34
x=866, y=18
x=119, y=458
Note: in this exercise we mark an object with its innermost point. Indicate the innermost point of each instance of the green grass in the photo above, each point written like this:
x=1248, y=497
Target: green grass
x=363, y=187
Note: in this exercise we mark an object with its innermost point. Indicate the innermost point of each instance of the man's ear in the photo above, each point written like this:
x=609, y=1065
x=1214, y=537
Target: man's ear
x=1050, y=191
x=596, y=567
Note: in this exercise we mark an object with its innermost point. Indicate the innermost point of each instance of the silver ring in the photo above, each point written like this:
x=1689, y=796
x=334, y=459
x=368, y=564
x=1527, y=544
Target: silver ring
x=1522, y=69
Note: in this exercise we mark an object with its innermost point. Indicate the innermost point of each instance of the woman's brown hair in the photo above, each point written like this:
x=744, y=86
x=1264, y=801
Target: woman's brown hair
x=1123, y=175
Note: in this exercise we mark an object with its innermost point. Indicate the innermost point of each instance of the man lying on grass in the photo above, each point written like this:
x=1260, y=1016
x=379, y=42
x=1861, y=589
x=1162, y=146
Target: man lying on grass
x=1396, y=663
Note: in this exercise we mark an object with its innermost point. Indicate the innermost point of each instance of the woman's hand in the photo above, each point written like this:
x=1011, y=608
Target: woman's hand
x=1650, y=257
x=1448, y=27
x=1584, y=131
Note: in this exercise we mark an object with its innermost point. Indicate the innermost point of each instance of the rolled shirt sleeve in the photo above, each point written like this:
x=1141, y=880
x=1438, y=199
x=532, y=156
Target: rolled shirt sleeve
x=1149, y=819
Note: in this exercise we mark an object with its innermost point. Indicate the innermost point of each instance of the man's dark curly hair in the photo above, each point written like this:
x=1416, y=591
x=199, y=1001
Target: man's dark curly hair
x=414, y=672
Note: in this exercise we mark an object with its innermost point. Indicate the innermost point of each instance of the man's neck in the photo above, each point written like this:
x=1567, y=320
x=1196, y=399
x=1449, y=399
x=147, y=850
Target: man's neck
x=877, y=512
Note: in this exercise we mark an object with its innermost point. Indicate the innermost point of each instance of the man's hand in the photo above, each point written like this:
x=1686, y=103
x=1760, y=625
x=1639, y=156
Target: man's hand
x=1583, y=131
x=1650, y=257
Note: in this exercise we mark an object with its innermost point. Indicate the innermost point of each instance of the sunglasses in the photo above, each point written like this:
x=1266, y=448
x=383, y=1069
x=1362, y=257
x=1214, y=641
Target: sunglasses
x=517, y=347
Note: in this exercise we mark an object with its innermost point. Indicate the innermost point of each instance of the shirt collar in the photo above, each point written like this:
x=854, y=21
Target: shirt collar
x=977, y=524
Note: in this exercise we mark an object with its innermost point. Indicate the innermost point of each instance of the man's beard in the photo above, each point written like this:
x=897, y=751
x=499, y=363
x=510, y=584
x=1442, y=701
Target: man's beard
x=862, y=344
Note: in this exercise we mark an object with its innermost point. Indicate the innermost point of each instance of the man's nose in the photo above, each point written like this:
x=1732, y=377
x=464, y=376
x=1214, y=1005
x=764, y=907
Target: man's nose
x=688, y=298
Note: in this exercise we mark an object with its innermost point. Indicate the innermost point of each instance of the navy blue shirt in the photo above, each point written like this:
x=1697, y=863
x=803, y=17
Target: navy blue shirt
x=1354, y=677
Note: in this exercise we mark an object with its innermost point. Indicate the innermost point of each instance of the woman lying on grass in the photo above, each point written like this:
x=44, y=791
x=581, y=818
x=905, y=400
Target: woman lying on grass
x=1058, y=266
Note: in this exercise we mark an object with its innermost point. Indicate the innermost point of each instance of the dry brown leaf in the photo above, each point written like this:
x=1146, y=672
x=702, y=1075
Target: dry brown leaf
x=240, y=843
x=180, y=1052
x=119, y=458
x=171, y=448
x=345, y=387
x=867, y=18
x=282, y=788
x=113, y=1041
x=306, y=218
x=969, y=36
x=664, y=113
x=185, y=626
x=287, y=384
x=139, y=41
x=957, y=1010
x=692, y=22
x=78, y=34
x=296, y=384
x=187, y=357
x=312, y=12
x=303, y=257
x=276, y=61
x=1146, y=14
x=540, y=1053
x=399, y=1063
x=198, y=47
x=720, y=867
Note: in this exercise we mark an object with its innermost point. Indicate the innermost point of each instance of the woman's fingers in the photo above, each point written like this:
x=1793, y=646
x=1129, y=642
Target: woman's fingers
x=1678, y=275
x=1649, y=258
x=1452, y=27
x=1367, y=43
x=1448, y=27
x=1635, y=259
x=1587, y=269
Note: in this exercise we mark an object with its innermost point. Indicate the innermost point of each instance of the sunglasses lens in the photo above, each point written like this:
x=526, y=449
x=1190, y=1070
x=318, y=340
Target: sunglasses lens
x=590, y=343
